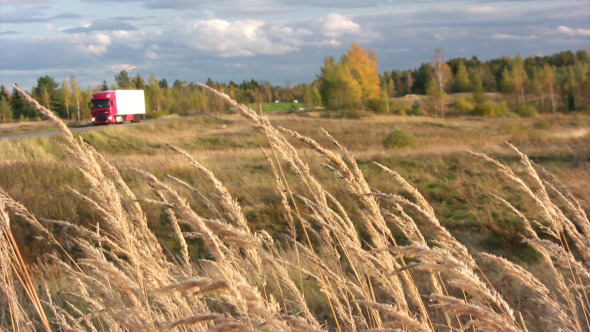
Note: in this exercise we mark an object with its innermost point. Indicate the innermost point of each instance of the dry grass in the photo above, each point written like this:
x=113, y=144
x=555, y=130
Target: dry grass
x=322, y=276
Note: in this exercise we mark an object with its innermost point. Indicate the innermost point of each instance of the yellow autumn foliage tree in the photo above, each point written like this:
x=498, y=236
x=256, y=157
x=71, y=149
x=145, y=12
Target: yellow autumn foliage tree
x=363, y=66
x=352, y=82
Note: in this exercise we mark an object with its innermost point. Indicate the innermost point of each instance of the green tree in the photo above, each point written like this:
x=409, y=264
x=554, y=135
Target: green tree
x=409, y=82
x=76, y=93
x=388, y=89
x=507, y=82
x=311, y=95
x=549, y=83
x=438, y=97
x=397, y=79
x=4, y=92
x=46, y=98
x=582, y=77
x=338, y=87
x=137, y=82
x=388, y=92
x=5, y=109
x=20, y=109
x=519, y=78
x=155, y=95
x=5, y=104
x=478, y=91
x=46, y=92
x=440, y=82
x=316, y=97
x=66, y=97
x=462, y=81
x=570, y=85
x=122, y=79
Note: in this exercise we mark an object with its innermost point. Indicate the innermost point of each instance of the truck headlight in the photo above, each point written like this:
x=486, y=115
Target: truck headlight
x=110, y=117
x=93, y=119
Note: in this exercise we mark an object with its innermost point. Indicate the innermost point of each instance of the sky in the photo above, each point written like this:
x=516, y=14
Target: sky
x=280, y=41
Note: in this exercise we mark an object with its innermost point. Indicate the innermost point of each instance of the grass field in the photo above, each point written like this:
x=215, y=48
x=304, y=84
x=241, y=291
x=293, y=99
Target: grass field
x=456, y=184
x=279, y=107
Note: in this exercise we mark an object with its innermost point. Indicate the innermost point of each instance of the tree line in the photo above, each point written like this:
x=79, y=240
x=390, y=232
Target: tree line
x=548, y=84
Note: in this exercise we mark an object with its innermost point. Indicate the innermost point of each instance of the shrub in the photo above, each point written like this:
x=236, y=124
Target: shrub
x=463, y=105
x=542, y=124
x=527, y=111
x=504, y=111
x=399, y=107
x=376, y=105
x=486, y=109
x=416, y=109
x=352, y=114
x=400, y=139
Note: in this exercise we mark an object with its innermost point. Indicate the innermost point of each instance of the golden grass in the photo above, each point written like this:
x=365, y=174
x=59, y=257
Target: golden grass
x=323, y=275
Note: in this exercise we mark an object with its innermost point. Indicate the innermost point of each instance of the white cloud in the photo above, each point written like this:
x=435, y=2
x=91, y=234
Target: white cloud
x=573, y=32
x=22, y=2
x=234, y=38
x=513, y=37
x=120, y=67
x=151, y=55
x=289, y=35
x=483, y=10
x=335, y=25
x=97, y=44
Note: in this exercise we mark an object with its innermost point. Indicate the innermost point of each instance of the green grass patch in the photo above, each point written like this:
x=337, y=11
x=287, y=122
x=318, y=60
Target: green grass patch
x=279, y=107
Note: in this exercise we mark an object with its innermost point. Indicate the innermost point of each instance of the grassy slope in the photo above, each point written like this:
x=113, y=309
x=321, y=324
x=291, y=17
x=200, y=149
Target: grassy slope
x=35, y=172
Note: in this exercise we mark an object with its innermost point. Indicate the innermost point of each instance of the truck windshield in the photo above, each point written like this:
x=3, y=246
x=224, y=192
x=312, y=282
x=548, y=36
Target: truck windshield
x=104, y=103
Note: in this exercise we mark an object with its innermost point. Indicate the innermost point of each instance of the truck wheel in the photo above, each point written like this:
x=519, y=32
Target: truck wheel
x=136, y=118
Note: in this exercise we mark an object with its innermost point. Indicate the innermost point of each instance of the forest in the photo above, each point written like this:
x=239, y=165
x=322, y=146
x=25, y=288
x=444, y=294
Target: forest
x=350, y=87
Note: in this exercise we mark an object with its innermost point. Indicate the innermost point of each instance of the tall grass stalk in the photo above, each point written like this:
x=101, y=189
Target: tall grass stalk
x=13, y=267
x=325, y=275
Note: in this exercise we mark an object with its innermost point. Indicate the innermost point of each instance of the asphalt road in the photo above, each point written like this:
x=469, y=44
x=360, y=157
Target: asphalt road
x=57, y=132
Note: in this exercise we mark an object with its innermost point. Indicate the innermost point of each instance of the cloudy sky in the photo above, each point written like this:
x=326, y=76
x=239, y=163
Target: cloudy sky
x=279, y=41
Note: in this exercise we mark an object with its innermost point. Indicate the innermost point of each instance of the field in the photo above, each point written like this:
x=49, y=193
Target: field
x=209, y=178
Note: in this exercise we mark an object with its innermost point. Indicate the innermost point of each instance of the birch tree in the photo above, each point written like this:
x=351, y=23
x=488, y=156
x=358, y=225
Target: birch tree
x=440, y=82
x=66, y=96
x=76, y=93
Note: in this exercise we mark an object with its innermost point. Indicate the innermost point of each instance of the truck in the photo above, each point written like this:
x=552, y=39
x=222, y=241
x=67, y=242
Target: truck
x=117, y=106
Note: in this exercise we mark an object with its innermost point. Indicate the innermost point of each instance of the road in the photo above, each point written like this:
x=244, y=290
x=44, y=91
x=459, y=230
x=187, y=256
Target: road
x=57, y=132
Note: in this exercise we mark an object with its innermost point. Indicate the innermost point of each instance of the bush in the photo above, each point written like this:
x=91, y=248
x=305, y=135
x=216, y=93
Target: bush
x=463, y=105
x=352, y=114
x=416, y=109
x=376, y=105
x=400, y=139
x=504, y=111
x=486, y=109
x=542, y=124
x=527, y=111
x=399, y=107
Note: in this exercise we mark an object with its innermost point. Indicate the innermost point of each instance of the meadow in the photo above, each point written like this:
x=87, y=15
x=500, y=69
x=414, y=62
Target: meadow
x=296, y=221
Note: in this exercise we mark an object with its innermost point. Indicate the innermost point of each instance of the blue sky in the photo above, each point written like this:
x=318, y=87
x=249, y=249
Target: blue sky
x=279, y=41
